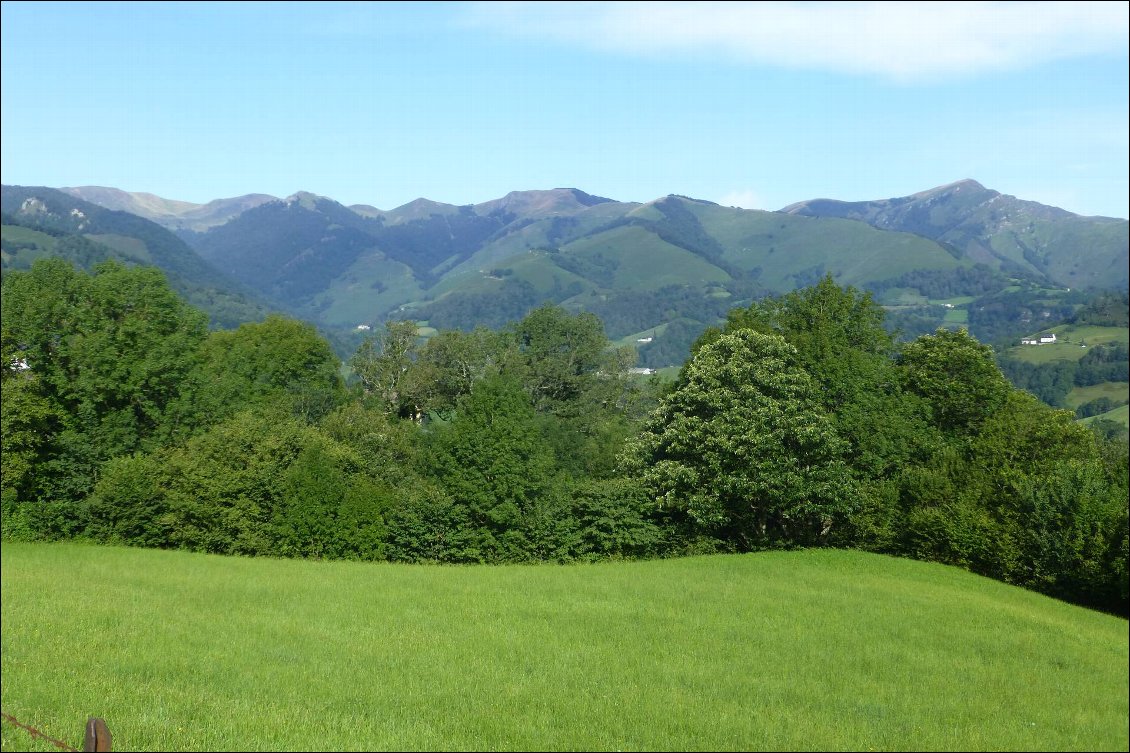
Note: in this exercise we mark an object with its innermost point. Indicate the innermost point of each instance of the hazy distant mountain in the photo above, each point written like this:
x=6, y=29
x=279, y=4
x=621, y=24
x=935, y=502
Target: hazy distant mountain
x=172, y=214
x=40, y=222
x=1000, y=230
x=515, y=204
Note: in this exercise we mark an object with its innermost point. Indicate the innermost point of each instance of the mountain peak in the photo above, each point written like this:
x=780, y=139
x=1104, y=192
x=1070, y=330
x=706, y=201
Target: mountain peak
x=968, y=185
x=541, y=202
x=965, y=183
x=303, y=197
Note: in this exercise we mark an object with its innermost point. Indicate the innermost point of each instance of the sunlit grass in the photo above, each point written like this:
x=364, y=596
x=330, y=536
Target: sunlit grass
x=815, y=650
x=1114, y=390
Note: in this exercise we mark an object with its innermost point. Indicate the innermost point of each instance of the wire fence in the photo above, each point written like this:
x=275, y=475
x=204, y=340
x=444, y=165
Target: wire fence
x=96, y=737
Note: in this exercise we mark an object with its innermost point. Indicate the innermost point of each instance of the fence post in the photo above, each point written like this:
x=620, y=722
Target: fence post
x=97, y=736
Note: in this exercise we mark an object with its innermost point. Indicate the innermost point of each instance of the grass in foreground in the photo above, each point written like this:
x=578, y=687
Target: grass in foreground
x=815, y=650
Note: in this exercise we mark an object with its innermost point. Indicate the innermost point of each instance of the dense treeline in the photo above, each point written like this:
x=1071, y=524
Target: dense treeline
x=978, y=280
x=801, y=422
x=1106, y=310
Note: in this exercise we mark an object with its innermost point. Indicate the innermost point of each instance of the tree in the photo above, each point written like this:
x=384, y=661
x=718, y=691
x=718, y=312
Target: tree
x=381, y=363
x=743, y=448
x=566, y=364
x=957, y=376
x=29, y=426
x=252, y=485
x=279, y=362
x=842, y=343
x=447, y=366
x=492, y=459
x=109, y=354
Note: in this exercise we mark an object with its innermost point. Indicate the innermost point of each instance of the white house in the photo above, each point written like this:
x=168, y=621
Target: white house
x=1047, y=338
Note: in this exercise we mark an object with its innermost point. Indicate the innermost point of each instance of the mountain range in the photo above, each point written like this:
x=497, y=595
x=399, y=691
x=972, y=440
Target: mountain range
x=669, y=266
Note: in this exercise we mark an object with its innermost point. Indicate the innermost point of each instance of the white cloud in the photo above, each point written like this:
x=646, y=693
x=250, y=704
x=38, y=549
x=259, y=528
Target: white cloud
x=899, y=40
x=745, y=198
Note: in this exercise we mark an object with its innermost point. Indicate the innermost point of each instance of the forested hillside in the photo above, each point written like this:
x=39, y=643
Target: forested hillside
x=800, y=422
x=43, y=222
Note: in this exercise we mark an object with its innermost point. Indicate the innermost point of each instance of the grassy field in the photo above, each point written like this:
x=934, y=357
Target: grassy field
x=1070, y=340
x=38, y=245
x=1114, y=390
x=957, y=316
x=809, y=650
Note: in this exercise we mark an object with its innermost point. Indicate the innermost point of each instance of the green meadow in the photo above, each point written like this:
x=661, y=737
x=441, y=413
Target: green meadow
x=1116, y=391
x=800, y=650
x=23, y=245
x=1071, y=339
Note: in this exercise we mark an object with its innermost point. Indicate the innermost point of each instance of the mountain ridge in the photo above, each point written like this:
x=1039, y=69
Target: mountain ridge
x=997, y=229
x=171, y=213
x=672, y=262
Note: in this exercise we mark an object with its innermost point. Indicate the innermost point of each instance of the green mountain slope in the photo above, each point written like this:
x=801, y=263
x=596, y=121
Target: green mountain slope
x=642, y=265
x=1005, y=232
x=42, y=222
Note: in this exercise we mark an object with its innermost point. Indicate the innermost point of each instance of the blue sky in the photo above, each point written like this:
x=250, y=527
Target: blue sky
x=746, y=104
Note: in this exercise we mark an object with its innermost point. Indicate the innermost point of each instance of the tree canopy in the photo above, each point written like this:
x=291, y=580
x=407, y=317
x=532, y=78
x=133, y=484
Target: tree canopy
x=800, y=422
x=743, y=447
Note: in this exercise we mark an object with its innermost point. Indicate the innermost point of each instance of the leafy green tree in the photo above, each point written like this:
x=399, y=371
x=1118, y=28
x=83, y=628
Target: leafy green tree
x=579, y=384
x=279, y=362
x=314, y=490
x=1046, y=485
x=447, y=366
x=957, y=377
x=566, y=364
x=427, y=525
x=492, y=460
x=945, y=517
x=109, y=353
x=386, y=447
x=29, y=426
x=614, y=519
x=841, y=341
x=381, y=363
x=130, y=503
x=29, y=421
x=253, y=484
x=218, y=492
x=743, y=448
x=1074, y=533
